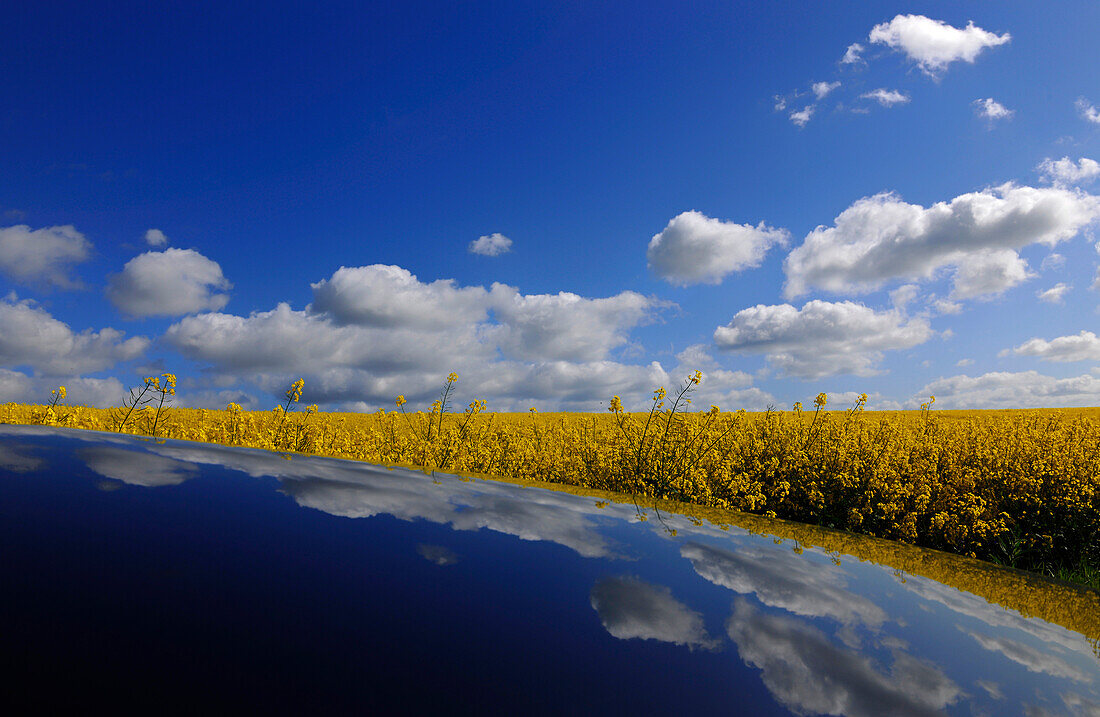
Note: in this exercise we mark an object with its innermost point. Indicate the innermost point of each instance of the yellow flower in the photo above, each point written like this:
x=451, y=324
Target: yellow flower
x=61, y=391
x=798, y=405
x=452, y=377
x=616, y=405
x=696, y=377
x=400, y=401
x=819, y=402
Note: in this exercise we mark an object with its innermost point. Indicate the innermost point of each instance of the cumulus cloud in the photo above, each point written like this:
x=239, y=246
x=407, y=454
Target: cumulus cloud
x=822, y=338
x=988, y=273
x=42, y=256
x=389, y=296
x=882, y=237
x=1085, y=346
x=1066, y=172
x=933, y=44
x=155, y=237
x=630, y=608
x=802, y=116
x=172, y=282
x=357, y=342
x=695, y=249
x=1002, y=389
x=885, y=97
x=31, y=337
x=1087, y=110
x=1054, y=294
x=992, y=110
x=491, y=245
x=823, y=88
x=853, y=55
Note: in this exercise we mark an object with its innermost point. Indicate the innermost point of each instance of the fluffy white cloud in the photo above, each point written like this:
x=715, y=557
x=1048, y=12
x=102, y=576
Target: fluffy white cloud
x=695, y=249
x=933, y=44
x=882, y=237
x=988, y=273
x=155, y=237
x=1002, y=389
x=42, y=256
x=853, y=55
x=564, y=326
x=823, y=338
x=803, y=116
x=991, y=109
x=30, y=336
x=630, y=608
x=1087, y=110
x=491, y=245
x=885, y=97
x=1054, y=294
x=172, y=282
x=516, y=350
x=389, y=296
x=823, y=88
x=1066, y=172
x=1085, y=346
x=1053, y=260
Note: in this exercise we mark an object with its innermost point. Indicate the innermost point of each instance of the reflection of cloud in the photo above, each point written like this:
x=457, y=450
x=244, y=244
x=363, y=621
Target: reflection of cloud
x=807, y=673
x=136, y=467
x=1029, y=657
x=630, y=608
x=970, y=605
x=1080, y=705
x=437, y=554
x=992, y=688
x=12, y=460
x=780, y=579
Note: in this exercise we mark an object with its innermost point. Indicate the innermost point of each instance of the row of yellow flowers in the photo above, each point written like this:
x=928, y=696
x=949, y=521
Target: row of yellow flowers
x=1020, y=487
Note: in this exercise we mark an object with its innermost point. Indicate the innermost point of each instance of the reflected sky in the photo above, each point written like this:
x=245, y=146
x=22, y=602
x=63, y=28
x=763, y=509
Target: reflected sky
x=335, y=564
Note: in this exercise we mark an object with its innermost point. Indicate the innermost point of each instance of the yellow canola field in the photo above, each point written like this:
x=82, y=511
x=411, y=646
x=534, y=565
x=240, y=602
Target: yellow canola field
x=1018, y=487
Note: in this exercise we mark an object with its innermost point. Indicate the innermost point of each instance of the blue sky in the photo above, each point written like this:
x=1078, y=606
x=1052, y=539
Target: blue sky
x=559, y=201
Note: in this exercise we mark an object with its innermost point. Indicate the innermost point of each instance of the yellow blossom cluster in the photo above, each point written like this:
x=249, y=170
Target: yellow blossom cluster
x=1018, y=487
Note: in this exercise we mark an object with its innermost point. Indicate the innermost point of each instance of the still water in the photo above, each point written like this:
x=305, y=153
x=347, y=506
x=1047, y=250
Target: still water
x=172, y=575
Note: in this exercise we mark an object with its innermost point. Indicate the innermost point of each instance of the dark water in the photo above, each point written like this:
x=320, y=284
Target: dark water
x=174, y=576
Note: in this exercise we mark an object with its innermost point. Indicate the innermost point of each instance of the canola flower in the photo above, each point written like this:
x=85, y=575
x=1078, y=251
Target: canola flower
x=1021, y=487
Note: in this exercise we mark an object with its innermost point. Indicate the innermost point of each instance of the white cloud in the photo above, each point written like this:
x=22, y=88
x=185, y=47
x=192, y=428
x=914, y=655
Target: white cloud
x=943, y=306
x=992, y=110
x=1054, y=294
x=42, y=256
x=822, y=338
x=491, y=245
x=695, y=249
x=1053, y=261
x=933, y=44
x=904, y=295
x=881, y=237
x=962, y=363
x=823, y=88
x=885, y=97
x=780, y=103
x=988, y=273
x=136, y=467
x=565, y=326
x=1085, y=346
x=630, y=608
x=155, y=237
x=1066, y=172
x=172, y=282
x=516, y=350
x=803, y=116
x=389, y=296
x=30, y=336
x=853, y=55
x=1001, y=389
x=1087, y=110
x=1034, y=660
